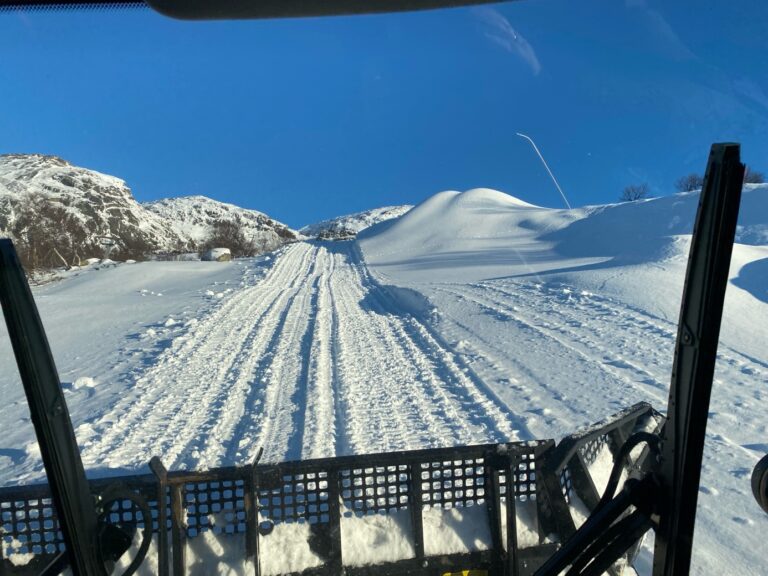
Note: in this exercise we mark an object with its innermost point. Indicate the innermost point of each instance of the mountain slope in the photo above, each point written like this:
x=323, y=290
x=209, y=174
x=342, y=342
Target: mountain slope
x=45, y=195
x=191, y=219
x=345, y=227
x=57, y=211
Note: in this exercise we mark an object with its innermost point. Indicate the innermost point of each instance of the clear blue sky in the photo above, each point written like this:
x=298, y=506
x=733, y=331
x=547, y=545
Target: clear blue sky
x=306, y=119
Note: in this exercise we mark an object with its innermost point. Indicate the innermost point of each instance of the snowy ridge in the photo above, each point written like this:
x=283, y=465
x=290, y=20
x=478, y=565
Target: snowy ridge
x=488, y=234
x=191, y=219
x=344, y=227
x=103, y=205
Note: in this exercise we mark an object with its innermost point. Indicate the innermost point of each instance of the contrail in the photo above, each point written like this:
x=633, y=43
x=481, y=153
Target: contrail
x=547, y=167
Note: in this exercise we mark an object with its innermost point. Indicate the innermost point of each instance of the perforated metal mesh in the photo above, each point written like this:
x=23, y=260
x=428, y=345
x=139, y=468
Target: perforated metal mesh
x=217, y=506
x=30, y=526
x=126, y=512
x=524, y=479
x=448, y=484
x=590, y=450
x=375, y=489
x=297, y=498
x=566, y=484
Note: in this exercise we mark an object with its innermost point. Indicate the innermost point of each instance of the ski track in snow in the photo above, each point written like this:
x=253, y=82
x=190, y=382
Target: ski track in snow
x=315, y=360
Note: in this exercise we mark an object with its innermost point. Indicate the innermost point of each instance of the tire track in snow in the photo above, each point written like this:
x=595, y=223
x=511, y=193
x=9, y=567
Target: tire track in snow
x=319, y=432
x=634, y=348
x=633, y=317
x=520, y=360
x=646, y=342
x=479, y=404
x=641, y=358
x=173, y=397
x=313, y=361
x=378, y=396
x=599, y=367
x=417, y=393
x=232, y=441
x=283, y=408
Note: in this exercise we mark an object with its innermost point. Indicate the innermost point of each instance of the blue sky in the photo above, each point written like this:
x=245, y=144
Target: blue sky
x=307, y=119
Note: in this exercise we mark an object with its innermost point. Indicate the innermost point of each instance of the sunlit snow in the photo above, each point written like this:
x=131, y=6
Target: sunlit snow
x=475, y=317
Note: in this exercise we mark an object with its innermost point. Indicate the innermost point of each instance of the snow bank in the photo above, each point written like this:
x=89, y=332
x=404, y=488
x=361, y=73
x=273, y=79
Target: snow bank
x=376, y=538
x=286, y=549
x=482, y=233
x=453, y=234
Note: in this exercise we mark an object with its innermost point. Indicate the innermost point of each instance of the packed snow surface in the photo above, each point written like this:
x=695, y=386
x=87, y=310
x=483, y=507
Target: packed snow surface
x=473, y=318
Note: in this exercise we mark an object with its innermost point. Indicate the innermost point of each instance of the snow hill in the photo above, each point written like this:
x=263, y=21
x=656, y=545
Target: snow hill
x=97, y=205
x=476, y=317
x=492, y=234
x=635, y=250
x=346, y=227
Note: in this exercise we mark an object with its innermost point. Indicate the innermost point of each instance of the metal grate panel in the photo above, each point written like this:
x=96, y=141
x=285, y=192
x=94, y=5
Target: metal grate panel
x=30, y=526
x=375, y=489
x=524, y=478
x=218, y=506
x=300, y=497
x=591, y=449
x=452, y=483
x=253, y=499
x=566, y=484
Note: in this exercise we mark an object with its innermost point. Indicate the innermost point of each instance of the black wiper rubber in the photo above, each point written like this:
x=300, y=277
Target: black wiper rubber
x=701, y=312
x=255, y=9
x=62, y=5
x=245, y=9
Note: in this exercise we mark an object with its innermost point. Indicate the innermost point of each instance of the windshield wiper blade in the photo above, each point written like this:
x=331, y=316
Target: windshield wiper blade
x=50, y=417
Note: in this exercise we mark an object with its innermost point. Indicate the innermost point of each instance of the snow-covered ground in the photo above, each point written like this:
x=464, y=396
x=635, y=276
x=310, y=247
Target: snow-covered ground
x=473, y=318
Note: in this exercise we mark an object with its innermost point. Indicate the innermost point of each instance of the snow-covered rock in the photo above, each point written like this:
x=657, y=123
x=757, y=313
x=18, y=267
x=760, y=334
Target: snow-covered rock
x=99, y=206
x=347, y=227
x=86, y=209
x=217, y=255
x=192, y=217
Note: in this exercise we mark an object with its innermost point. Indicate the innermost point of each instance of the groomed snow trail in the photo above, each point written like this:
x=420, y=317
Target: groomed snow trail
x=314, y=360
x=565, y=357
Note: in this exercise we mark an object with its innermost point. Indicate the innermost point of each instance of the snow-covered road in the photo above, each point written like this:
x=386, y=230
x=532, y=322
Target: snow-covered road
x=314, y=360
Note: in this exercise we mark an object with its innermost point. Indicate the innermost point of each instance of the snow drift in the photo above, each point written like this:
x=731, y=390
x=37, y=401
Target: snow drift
x=483, y=233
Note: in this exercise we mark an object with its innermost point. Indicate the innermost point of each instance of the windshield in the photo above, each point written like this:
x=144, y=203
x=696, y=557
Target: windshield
x=325, y=237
